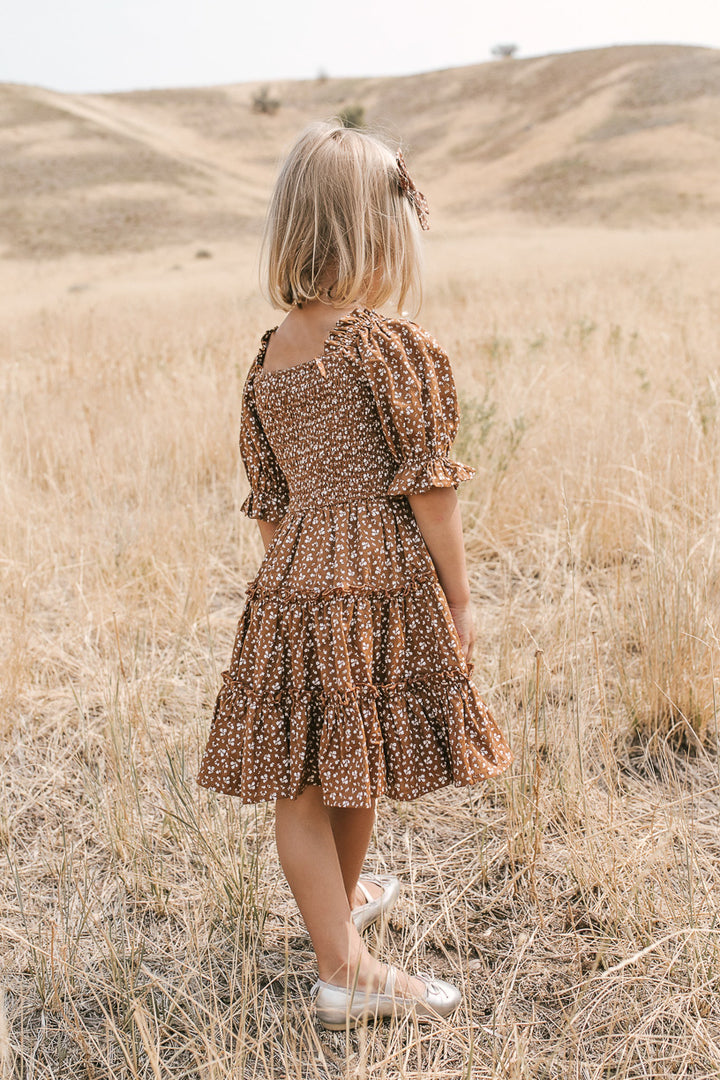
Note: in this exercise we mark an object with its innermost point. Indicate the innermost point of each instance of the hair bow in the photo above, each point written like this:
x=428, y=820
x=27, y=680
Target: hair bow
x=411, y=193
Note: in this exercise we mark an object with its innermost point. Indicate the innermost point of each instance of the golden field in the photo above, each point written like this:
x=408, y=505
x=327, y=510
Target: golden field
x=146, y=929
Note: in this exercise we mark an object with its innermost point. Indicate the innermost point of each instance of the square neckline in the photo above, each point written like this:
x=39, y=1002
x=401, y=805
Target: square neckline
x=332, y=334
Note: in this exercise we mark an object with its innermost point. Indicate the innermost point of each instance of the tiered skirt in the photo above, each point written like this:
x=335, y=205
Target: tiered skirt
x=347, y=670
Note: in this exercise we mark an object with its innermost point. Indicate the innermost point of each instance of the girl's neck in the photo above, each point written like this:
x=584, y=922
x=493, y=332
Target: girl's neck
x=302, y=334
x=320, y=313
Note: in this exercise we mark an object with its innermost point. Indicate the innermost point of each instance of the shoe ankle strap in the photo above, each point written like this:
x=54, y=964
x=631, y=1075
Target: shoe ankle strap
x=365, y=891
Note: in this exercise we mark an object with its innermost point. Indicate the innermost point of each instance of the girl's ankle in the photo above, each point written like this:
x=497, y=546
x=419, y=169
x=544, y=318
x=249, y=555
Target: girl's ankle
x=342, y=970
x=369, y=970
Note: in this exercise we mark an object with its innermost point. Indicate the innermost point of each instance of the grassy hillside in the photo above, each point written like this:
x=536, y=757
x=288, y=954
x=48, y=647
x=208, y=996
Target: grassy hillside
x=146, y=929
x=622, y=136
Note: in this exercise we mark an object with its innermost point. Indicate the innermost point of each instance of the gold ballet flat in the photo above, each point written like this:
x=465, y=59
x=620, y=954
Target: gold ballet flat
x=377, y=906
x=337, y=1007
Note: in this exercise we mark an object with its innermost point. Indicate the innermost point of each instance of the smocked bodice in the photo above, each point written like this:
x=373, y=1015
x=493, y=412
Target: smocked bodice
x=321, y=422
x=373, y=417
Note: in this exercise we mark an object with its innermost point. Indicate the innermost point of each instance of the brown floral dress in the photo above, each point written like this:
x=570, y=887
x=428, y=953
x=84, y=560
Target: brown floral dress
x=347, y=670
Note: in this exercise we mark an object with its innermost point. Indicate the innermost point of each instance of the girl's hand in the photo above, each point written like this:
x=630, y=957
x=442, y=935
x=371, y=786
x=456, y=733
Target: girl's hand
x=464, y=619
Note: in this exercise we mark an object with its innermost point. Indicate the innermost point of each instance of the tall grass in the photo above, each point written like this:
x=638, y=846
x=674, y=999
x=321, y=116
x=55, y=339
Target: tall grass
x=146, y=928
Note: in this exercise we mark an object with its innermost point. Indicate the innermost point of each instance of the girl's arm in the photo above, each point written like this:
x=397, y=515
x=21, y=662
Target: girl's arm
x=437, y=512
x=267, y=530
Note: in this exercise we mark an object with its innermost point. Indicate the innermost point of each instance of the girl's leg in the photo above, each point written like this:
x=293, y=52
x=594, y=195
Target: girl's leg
x=352, y=828
x=309, y=858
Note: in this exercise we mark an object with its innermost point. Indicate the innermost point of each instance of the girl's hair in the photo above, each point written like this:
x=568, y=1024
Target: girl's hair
x=338, y=226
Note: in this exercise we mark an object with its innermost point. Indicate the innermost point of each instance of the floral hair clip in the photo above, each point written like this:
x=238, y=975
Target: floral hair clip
x=411, y=193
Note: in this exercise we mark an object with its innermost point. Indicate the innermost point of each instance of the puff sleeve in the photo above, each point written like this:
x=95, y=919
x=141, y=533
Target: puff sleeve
x=414, y=390
x=268, y=497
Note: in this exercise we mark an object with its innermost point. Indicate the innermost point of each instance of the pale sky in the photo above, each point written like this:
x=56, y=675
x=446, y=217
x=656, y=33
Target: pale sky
x=103, y=45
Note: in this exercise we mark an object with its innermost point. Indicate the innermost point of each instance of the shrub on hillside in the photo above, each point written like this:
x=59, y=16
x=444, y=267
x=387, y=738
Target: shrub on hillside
x=352, y=116
x=263, y=103
x=504, y=52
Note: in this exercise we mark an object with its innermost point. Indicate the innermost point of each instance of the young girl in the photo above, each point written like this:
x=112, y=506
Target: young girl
x=350, y=675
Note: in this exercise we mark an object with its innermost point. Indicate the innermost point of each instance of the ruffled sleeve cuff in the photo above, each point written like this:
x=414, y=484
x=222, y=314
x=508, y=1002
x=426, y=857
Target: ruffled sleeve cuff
x=267, y=506
x=418, y=475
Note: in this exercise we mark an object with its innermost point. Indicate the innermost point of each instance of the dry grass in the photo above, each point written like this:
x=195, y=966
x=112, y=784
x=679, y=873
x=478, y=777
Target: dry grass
x=146, y=927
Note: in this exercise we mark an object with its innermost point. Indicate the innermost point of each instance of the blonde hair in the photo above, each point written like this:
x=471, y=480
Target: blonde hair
x=338, y=227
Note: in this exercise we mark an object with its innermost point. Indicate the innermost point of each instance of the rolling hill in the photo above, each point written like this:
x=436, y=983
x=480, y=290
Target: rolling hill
x=625, y=136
